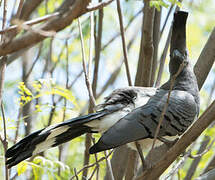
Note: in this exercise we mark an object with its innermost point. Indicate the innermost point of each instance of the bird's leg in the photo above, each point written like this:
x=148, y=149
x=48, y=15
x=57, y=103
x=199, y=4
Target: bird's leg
x=167, y=142
x=141, y=155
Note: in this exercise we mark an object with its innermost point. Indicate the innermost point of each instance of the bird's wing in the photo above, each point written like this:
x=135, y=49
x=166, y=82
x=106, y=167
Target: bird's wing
x=142, y=122
x=120, y=102
x=122, y=97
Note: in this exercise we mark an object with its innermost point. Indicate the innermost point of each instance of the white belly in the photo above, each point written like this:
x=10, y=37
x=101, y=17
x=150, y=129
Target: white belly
x=146, y=144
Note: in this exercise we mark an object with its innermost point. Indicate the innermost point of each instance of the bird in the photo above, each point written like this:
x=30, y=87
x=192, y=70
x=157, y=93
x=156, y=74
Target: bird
x=129, y=114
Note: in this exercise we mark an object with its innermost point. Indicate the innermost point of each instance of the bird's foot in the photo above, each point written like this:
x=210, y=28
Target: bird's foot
x=167, y=142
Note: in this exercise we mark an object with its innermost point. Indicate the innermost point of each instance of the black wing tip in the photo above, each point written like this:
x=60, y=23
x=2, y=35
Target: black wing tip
x=99, y=146
x=11, y=151
x=95, y=148
x=17, y=158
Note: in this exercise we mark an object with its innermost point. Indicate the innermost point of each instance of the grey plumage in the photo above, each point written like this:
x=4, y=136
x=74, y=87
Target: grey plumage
x=183, y=105
x=128, y=114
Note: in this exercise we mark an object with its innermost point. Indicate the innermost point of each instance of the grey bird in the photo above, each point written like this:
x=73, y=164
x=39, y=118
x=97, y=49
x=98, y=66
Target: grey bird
x=129, y=114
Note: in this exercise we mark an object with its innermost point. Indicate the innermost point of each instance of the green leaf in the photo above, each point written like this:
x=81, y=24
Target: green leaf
x=37, y=170
x=61, y=92
x=175, y=2
x=157, y=4
x=21, y=167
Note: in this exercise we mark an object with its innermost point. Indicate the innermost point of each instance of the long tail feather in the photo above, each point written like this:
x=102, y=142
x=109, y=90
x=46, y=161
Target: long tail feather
x=51, y=136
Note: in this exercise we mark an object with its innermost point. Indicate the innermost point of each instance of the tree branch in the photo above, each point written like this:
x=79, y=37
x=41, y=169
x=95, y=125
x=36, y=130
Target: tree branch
x=156, y=40
x=146, y=52
x=30, y=22
x=197, y=160
x=205, y=60
x=125, y=52
x=69, y=10
x=100, y=5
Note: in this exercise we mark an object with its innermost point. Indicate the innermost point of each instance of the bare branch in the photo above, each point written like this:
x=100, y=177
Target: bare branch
x=210, y=165
x=30, y=22
x=5, y=143
x=166, y=19
x=19, y=10
x=125, y=29
x=205, y=60
x=89, y=87
x=98, y=42
x=28, y=7
x=3, y=63
x=197, y=160
x=69, y=10
x=156, y=40
x=109, y=165
x=100, y=5
x=143, y=76
x=125, y=53
x=118, y=163
x=91, y=97
x=91, y=165
x=132, y=164
x=162, y=59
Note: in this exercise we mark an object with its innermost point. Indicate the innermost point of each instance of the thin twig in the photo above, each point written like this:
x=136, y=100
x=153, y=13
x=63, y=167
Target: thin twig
x=125, y=53
x=96, y=158
x=91, y=165
x=91, y=43
x=197, y=160
x=109, y=165
x=44, y=33
x=30, y=22
x=76, y=176
x=179, y=164
x=91, y=96
x=19, y=10
x=3, y=62
x=99, y=5
x=65, y=101
x=166, y=19
x=18, y=124
x=167, y=102
x=98, y=42
x=141, y=154
x=95, y=170
x=162, y=59
x=125, y=29
x=204, y=152
x=35, y=61
x=88, y=84
x=5, y=143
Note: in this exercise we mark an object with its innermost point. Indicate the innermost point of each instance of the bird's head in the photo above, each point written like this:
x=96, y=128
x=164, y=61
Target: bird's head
x=178, y=49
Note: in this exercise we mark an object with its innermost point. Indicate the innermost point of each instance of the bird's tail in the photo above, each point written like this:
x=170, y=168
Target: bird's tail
x=51, y=136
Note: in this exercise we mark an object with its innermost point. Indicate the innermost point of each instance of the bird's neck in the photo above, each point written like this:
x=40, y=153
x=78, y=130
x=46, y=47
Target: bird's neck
x=185, y=81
